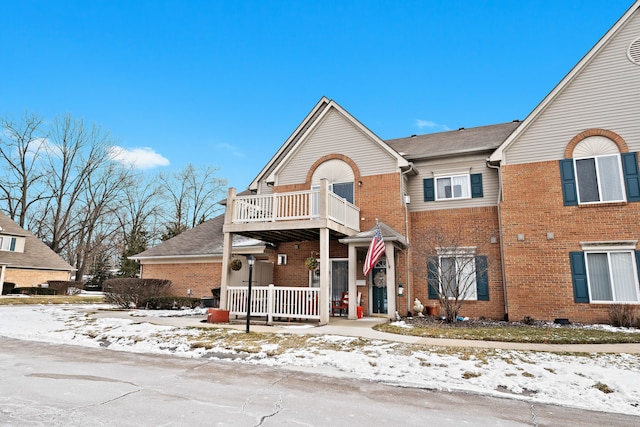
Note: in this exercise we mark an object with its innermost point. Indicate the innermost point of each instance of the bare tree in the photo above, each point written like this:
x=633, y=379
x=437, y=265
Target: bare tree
x=102, y=196
x=76, y=153
x=456, y=273
x=137, y=220
x=192, y=195
x=21, y=146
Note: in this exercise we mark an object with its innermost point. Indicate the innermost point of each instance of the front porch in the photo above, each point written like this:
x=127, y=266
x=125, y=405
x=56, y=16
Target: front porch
x=318, y=220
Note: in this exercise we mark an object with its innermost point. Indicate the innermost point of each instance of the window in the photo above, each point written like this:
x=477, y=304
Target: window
x=599, y=173
x=612, y=276
x=599, y=179
x=343, y=189
x=458, y=274
x=605, y=272
x=8, y=244
x=458, y=279
x=453, y=187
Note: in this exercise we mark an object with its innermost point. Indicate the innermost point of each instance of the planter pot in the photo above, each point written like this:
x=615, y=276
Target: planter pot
x=432, y=310
x=217, y=315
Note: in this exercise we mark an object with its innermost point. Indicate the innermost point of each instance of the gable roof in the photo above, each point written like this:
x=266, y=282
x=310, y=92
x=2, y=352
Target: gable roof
x=205, y=239
x=477, y=139
x=388, y=235
x=36, y=254
x=311, y=121
x=498, y=155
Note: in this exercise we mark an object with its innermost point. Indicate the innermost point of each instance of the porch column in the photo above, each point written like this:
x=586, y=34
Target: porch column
x=391, y=280
x=3, y=269
x=353, y=277
x=324, y=276
x=226, y=247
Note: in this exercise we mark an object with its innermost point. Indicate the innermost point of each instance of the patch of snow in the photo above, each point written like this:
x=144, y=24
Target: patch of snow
x=543, y=377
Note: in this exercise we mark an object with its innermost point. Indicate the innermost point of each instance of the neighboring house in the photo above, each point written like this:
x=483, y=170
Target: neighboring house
x=25, y=260
x=193, y=260
x=543, y=213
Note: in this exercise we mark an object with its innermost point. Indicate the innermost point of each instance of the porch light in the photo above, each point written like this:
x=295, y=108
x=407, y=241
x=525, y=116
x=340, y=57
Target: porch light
x=250, y=260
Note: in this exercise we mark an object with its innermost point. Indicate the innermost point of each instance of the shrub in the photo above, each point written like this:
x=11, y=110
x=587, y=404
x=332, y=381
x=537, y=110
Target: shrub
x=7, y=288
x=623, y=315
x=65, y=287
x=35, y=291
x=169, y=303
x=129, y=292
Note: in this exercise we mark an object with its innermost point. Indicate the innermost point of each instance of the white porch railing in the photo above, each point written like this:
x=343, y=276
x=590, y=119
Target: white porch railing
x=271, y=301
x=293, y=205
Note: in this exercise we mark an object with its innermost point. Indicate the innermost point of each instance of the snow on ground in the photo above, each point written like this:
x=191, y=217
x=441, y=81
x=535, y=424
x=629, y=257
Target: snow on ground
x=603, y=382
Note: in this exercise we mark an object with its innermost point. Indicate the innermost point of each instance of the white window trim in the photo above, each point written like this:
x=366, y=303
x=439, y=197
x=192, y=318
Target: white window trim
x=451, y=176
x=608, y=250
x=620, y=177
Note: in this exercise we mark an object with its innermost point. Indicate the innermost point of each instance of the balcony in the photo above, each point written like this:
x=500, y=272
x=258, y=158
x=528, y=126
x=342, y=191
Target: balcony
x=291, y=216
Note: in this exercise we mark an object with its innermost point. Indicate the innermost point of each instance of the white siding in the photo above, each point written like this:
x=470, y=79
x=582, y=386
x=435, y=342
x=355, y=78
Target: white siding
x=468, y=164
x=605, y=94
x=336, y=134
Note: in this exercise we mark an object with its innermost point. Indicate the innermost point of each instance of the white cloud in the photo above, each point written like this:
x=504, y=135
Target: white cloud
x=422, y=124
x=140, y=158
x=230, y=149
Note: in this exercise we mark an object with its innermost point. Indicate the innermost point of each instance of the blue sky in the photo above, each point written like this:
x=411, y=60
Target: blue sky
x=224, y=83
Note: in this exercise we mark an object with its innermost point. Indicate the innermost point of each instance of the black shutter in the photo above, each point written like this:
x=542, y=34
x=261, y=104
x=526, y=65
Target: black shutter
x=569, y=191
x=476, y=185
x=579, y=277
x=482, y=278
x=432, y=277
x=631, y=176
x=429, y=193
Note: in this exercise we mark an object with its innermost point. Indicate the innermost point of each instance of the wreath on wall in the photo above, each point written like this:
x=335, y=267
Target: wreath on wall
x=235, y=264
x=311, y=263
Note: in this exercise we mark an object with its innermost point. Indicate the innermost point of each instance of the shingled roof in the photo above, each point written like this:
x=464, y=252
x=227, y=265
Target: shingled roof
x=477, y=139
x=203, y=240
x=36, y=255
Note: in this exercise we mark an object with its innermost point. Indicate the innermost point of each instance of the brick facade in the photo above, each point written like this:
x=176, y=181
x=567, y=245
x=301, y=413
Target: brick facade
x=467, y=227
x=199, y=277
x=23, y=277
x=537, y=269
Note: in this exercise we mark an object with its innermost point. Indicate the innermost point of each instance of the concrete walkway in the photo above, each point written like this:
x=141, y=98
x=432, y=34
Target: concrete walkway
x=364, y=328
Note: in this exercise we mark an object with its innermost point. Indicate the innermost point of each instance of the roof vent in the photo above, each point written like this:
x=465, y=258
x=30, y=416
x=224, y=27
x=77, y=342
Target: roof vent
x=461, y=129
x=413, y=136
x=634, y=51
x=516, y=121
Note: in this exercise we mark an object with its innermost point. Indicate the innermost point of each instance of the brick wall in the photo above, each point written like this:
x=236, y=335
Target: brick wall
x=199, y=277
x=28, y=278
x=468, y=227
x=537, y=269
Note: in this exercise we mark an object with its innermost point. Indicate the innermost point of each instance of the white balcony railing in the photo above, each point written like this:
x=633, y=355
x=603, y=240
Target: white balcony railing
x=270, y=301
x=295, y=205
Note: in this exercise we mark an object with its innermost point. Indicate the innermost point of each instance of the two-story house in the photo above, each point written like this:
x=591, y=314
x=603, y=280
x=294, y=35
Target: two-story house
x=542, y=212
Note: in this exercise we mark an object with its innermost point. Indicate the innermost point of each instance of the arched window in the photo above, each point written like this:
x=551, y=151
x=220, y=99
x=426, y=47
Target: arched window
x=340, y=177
x=598, y=171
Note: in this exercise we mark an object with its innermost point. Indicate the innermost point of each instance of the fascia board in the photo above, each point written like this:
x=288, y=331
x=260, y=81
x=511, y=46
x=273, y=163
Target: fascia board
x=402, y=162
x=498, y=155
x=254, y=184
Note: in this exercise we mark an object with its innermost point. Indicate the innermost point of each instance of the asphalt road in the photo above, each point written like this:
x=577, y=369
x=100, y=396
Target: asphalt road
x=53, y=385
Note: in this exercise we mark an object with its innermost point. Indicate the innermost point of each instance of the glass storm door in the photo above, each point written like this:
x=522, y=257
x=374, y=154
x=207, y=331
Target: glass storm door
x=379, y=288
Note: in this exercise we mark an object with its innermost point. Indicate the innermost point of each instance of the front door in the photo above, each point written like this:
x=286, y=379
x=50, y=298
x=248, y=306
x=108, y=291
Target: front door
x=339, y=278
x=379, y=287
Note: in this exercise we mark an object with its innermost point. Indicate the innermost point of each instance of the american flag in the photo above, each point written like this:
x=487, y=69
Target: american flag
x=376, y=249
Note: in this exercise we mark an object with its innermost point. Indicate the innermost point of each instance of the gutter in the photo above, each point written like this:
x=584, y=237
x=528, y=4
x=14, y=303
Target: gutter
x=504, y=277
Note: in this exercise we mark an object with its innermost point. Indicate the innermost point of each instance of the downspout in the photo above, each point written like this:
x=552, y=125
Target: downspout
x=406, y=234
x=504, y=276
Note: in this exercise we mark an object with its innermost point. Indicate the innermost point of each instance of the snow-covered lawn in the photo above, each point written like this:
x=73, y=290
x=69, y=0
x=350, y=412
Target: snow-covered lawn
x=604, y=382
